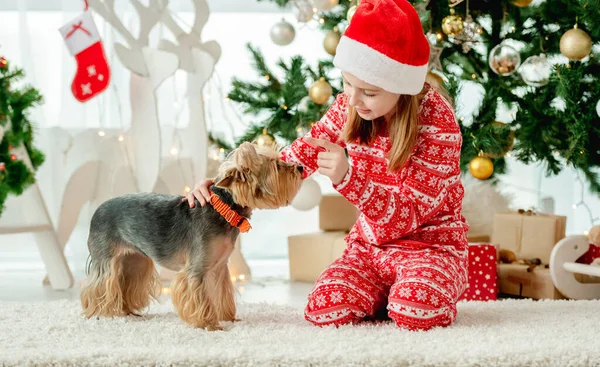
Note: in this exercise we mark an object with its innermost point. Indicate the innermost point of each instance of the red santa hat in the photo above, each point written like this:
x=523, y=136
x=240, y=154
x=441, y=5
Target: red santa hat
x=384, y=45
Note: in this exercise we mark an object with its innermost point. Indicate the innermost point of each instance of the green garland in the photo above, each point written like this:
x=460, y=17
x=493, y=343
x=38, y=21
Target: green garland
x=15, y=176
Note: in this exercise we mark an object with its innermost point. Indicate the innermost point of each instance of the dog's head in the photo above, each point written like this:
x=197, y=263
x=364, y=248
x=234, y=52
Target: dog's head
x=258, y=179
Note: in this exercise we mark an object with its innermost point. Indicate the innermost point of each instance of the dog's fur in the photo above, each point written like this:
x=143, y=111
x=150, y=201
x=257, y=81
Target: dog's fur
x=129, y=233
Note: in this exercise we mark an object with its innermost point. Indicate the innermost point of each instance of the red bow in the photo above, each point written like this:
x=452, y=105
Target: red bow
x=76, y=27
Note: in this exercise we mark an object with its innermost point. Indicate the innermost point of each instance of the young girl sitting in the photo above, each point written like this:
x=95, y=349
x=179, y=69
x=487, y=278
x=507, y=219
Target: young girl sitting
x=407, y=252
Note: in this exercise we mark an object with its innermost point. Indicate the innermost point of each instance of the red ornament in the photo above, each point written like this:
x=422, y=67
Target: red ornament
x=2, y=166
x=13, y=157
x=10, y=147
x=3, y=62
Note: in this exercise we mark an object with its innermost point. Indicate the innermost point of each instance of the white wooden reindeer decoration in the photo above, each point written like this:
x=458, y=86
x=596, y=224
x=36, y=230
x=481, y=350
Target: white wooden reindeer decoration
x=149, y=68
x=198, y=59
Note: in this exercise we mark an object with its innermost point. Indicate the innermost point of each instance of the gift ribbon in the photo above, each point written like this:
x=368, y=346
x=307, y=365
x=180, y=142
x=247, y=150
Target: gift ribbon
x=76, y=27
x=86, y=5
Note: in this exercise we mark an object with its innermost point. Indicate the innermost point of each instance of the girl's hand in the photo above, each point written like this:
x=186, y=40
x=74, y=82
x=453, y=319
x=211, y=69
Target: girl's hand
x=333, y=162
x=201, y=192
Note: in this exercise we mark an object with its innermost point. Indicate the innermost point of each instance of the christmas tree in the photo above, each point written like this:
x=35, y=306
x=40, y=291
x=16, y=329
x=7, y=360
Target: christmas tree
x=16, y=172
x=535, y=62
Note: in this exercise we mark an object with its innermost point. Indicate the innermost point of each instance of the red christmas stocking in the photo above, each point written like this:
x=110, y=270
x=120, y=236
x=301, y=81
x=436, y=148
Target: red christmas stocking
x=83, y=41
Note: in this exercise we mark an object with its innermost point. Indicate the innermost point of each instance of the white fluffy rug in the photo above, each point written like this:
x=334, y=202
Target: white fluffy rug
x=504, y=333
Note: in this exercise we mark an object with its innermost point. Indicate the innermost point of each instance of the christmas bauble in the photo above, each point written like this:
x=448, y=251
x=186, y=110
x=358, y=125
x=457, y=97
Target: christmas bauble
x=1, y=133
x=283, y=33
x=308, y=196
x=597, y=110
x=504, y=60
x=351, y=12
x=481, y=167
x=320, y=91
x=265, y=140
x=325, y=5
x=452, y=24
x=575, y=44
x=522, y=3
x=331, y=41
x=303, y=10
x=536, y=70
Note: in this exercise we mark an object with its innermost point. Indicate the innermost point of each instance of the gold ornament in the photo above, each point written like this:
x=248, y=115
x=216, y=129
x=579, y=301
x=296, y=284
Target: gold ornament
x=331, y=41
x=522, y=3
x=265, y=140
x=351, y=12
x=575, y=44
x=481, y=167
x=320, y=91
x=452, y=24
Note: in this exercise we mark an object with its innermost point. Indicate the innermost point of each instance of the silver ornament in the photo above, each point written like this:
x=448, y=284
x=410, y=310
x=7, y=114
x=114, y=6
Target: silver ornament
x=536, y=71
x=283, y=33
x=325, y=5
x=598, y=108
x=469, y=35
x=303, y=10
x=504, y=60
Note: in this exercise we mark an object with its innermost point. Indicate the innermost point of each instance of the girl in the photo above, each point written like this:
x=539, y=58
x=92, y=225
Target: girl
x=407, y=252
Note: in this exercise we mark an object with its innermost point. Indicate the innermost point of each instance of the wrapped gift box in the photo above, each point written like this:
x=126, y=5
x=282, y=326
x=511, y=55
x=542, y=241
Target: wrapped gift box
x=528, y=236
x=310, y=254
x=478, y=238
x=336, y=213
x=514, y=279
x=482, y=284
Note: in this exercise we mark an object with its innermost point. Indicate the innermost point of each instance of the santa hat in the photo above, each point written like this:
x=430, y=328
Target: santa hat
x=384, y=45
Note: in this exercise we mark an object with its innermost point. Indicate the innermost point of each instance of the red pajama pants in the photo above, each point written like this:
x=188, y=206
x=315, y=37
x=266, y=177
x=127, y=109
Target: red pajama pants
x=417, y=287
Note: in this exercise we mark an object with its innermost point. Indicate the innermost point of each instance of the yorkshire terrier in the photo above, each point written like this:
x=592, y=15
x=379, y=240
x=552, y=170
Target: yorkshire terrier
x=129, y=233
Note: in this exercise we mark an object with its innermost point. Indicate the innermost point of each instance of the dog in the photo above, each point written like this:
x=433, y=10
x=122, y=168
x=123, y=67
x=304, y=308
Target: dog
x=128, y=234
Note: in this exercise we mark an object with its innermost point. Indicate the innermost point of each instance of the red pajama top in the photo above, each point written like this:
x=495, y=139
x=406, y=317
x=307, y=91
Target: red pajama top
x=418, y=206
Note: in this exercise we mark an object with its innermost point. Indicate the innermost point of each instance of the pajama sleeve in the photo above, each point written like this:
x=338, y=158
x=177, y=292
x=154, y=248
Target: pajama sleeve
x=328, y=128
x=422, y=185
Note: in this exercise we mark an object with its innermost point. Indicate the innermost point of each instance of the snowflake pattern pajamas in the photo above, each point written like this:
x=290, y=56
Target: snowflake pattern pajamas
x=407, y=252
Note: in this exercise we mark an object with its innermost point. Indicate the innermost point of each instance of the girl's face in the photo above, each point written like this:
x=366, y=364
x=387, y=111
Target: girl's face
x=369, y=101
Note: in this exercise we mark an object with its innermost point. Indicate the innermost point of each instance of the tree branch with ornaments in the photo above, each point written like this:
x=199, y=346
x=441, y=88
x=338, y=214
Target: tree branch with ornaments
x=533, y=62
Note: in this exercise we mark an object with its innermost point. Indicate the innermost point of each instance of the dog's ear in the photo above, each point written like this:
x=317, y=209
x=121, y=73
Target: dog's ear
x=246, y=156
x=225, y=182
x=230, y=177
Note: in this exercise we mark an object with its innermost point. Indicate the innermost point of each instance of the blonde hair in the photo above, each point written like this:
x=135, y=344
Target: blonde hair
x=402, y=127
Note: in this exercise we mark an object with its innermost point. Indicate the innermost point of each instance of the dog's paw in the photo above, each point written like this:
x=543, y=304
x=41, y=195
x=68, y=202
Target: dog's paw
x=214, y=328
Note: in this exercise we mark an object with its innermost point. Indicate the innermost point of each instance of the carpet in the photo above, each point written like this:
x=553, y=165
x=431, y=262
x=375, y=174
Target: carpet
x=502, y=333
